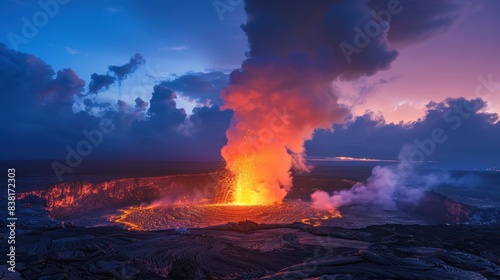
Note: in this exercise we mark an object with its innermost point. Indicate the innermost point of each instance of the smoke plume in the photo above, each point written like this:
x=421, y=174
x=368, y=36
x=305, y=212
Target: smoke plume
x=282, y=93
x=391, y=187
x=385, y=188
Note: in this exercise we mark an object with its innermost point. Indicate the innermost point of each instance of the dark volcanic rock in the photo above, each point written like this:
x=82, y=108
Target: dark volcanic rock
x=252, y=251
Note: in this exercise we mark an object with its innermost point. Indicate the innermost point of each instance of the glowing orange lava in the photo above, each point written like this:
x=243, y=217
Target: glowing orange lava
x=121, y=219
x=318, y=221
x=253, y=180
x=243, y=184
x=206, y=215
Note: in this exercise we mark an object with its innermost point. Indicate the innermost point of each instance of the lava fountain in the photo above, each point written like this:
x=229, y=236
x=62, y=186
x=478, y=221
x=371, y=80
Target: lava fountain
x=245, y=179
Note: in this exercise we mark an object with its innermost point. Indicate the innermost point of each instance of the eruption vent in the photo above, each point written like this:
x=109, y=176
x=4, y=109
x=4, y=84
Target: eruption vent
x=283, y=91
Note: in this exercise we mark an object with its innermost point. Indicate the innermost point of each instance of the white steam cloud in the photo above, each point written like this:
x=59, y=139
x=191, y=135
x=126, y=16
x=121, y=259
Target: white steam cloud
x=388, y=187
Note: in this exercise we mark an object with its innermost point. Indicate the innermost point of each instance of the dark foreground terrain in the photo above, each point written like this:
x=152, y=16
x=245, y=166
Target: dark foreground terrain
x=47, y=248
x=245, y=250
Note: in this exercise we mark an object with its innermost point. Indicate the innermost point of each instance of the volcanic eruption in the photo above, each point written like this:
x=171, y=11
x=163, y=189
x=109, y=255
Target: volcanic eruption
x=283, y=91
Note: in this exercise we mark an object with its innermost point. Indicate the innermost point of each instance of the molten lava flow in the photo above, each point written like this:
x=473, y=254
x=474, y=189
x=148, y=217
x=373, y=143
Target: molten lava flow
x=197, y=215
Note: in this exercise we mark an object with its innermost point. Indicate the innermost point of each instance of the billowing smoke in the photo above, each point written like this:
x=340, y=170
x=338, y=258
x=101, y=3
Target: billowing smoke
x=283, y=92
x=385, y=188
x=390, y=187
x=99, y=82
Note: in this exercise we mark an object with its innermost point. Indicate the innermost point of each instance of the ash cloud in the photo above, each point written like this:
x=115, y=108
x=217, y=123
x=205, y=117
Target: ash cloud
x=297, y=46
x=162, y=118
x=37, y=106
x=30, y=88
x=313, y=32
x=163, y=106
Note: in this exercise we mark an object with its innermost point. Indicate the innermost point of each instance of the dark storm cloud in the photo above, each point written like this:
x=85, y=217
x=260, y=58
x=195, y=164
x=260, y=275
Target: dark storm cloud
x=163, y=106
x=37, y=102
x=202, y=87
x=121, y=72
x=140, y=105
x=37, y=106
x=164, y=131
x=38, y=116
x=122, y=106
x=29, y=88
x=420, y=20
x=471, y=136
x=100, y=82
x=211, y=121
x=89, y=105
x=163, y=119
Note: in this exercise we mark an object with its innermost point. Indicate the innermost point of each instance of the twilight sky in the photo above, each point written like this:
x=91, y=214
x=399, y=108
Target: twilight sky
x=156, y=69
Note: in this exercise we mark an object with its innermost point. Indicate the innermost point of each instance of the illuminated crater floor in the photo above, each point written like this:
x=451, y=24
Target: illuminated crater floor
x=198, y=216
